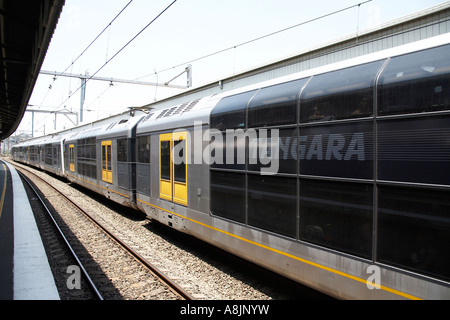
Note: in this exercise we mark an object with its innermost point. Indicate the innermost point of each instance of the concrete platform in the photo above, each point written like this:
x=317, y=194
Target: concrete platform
x=25, y=273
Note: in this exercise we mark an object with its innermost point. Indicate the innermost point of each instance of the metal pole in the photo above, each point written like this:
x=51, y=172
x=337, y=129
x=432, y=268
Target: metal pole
x=82, y=97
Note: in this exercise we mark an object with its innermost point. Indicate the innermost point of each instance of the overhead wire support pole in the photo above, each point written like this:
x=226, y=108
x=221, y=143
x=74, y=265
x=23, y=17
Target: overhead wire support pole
x=82, y=96
x=120, y=50
x=188, y=71
x=144, y=83
x=85, y=78
x=64, y=112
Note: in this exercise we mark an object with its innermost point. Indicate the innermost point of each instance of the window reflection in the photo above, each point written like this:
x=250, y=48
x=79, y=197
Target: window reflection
x=417, y=82
x=414, y=229
x=341, y=94
x=337, y=215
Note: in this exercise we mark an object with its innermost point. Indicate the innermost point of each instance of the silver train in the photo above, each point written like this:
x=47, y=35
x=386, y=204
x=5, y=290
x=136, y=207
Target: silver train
x=337, y=177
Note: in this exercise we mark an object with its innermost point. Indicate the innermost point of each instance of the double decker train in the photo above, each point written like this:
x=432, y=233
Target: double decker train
x=337, y=177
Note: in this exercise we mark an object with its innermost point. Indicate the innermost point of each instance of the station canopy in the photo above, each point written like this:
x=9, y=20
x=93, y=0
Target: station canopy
x=26, y=28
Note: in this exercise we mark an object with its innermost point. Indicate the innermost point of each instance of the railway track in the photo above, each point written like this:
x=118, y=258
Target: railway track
x=120, y=260
x=202, y=270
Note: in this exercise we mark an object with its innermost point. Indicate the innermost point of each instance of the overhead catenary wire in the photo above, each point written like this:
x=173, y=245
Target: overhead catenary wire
x=259, y=38
x=120, y=50
x=96, y=38
x=82, y=53
x=208, y=55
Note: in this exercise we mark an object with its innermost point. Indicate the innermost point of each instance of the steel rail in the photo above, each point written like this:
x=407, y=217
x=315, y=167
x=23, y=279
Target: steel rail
x=164, y=278
x=61, y=233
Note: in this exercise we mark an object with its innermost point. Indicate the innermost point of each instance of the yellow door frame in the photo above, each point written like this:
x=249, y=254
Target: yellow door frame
x=72, y=157
x=165, y=166
x=107, y=168
x=172, y=186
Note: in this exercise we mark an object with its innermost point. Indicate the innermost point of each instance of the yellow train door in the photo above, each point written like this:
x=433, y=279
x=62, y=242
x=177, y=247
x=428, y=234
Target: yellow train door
x=107, y=161
x=173, y=167
x=72, y=157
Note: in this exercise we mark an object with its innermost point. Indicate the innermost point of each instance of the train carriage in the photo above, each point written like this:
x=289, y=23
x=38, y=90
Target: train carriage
x=336, y=177
x=116, y=160
x=31, y=151
x=354, y=139
x=51, y=154
x=168, y=177
x=81, y=160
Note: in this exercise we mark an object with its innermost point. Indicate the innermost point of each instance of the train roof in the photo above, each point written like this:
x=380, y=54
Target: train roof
x=119, y=128
x=50, y=139
x=89, y=132
x=179, y=116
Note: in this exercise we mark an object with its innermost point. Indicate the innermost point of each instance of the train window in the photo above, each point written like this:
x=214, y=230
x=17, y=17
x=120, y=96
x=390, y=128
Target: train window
x=337, y=215
x=414, y=229
x=165, y=160
x=143, y=149
x=56, y=155
x=286, y=155
x=338, y=150
x=173, y=167
x=230, y=112
x=122, y=150
x=272, y=203
x=165, y=174
x=109, y=157
x=143, y=165
x=416, y=82
x=228, y=195
x=86, y=157
x=414, y=150
x=179, y=172
x=275, y=105
x=341, y=94
x=103, y=157
x=48, y=154
x=229, y=152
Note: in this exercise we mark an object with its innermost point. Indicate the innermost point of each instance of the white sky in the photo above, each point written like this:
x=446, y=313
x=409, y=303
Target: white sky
x=188, y=30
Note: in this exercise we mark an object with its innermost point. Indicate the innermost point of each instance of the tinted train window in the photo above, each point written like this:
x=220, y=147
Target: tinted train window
x=86, y=157
x=414, y=150
x=275, y=105
x=229, y=150
x=230, y=112
x=143, y=149
x=414, y=230
x=228, y=195
x=122, y=150
x=272, y=203
x=165, y=160
x=337, y=215
x=48, y=154
x=417, y=82
x=337, y=150
x=180, y=168
x=341, y=94
x=260, y=153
